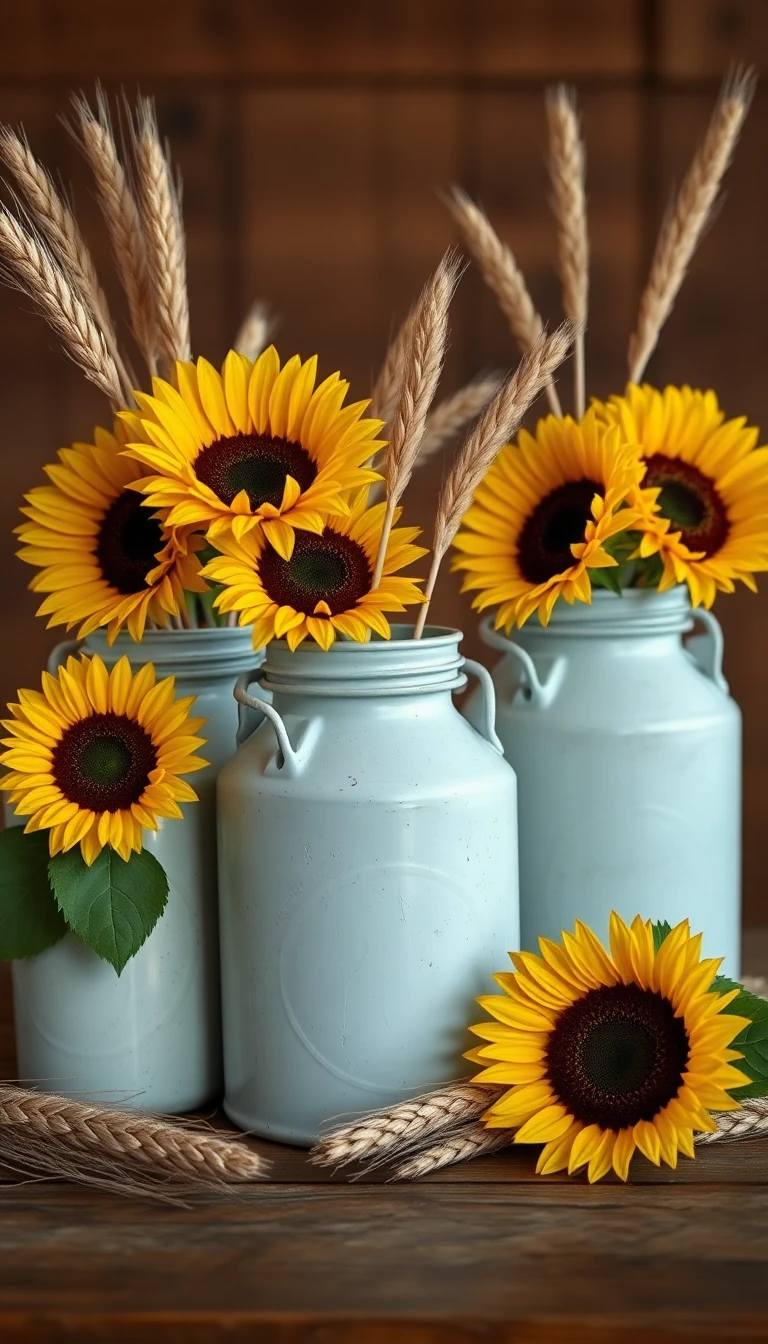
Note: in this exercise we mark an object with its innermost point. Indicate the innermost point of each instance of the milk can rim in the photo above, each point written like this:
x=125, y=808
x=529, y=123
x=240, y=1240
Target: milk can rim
x=433, y=662
x=186, y=654
x=638, y=611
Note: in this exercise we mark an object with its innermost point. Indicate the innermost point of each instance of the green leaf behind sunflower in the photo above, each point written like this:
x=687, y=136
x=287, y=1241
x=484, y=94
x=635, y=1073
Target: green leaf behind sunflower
x=112, y=906
x=661, y=930
x=29, y=919
x=752, y=1042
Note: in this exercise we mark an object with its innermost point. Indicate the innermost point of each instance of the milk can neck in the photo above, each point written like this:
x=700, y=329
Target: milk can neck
x=639, y=613
x=184, y=654
x=396, y=667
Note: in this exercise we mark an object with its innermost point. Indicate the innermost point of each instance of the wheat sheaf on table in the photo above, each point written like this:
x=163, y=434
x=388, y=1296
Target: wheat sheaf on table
x=136, y=1153
x=444, y=1127
x=130, y=1152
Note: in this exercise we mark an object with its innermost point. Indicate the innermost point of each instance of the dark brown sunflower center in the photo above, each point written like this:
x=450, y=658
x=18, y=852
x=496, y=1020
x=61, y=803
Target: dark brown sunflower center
x=255, y=463
x=330, y=568
x=128, y=541
x=103, y=763
x=544, y=545
x=690, y=500
x=617, y=1056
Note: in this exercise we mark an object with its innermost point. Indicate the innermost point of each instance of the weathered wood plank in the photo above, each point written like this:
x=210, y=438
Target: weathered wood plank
x=563, y=1256
x=698, y=39
x=71, y=40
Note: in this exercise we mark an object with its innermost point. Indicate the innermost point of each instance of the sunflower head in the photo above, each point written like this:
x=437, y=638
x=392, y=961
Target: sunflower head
x=604, y=1053
x=96, y=756
x=103, y=558
x=542, y=516
x=256, y=445
x=324, y=588
x=704, y=501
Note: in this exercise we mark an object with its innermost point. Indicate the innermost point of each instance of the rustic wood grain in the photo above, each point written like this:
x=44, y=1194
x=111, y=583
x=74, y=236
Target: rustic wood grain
x=696, y=39
x=72, y=39
x=498, y=1257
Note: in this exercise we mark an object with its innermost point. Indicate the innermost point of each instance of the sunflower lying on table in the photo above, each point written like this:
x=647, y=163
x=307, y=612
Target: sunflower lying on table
x=594, y=1053
x=606, y=1053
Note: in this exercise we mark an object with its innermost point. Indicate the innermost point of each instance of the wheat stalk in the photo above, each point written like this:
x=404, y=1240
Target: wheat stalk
x=160, y=213
x=685, y=222
x=422, y=363
x=496, y=426
x=749, y=1122
x=448, y=419
x=454, y=414
x=93, y=133
x=402, y=1126
x=502, y=275
x=386, y=389
x=56, y=222
x=119, y=1150
x=567, y=164
x=472, y=1140
x=254, y=332
x=26, y=264
x=444, y=1127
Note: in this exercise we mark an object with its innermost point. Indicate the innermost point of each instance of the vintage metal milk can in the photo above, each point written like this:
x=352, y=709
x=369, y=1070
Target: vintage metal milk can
x=627, y=750
x=153, y=1034
x=367, y=877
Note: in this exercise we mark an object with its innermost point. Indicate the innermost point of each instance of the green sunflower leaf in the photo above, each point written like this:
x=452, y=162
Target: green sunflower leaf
x=112, y=906
x=649, y=572
x=29, y=918
x=661, y=929
x=609, y=578
x=752, y=1041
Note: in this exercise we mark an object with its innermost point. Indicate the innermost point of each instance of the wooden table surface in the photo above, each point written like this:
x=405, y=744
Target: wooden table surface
x=486, y=1253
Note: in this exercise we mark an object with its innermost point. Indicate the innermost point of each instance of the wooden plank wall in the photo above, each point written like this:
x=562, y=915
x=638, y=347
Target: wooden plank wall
x=313, y=140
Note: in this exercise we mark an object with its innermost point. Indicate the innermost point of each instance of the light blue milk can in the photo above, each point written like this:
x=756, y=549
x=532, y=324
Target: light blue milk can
x=367, y=878
x=153, y=1034
x=627, y=750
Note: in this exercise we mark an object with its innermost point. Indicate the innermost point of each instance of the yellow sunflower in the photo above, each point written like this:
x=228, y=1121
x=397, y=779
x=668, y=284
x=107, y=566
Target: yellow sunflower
x=605, y=1054
x=254, y=446
x=540, y=520
x=324, y=589
x=705, y=495
x=96, y=756
x=104, y=557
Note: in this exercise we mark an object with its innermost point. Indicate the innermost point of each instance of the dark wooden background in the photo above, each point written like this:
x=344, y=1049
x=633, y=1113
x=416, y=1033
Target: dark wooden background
x=313, y=139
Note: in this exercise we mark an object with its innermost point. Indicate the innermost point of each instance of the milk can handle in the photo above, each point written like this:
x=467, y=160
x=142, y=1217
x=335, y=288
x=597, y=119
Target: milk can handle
x=707, y=649
x=61, y=653
x=291, y=761
x=541, y=692
x=488, y=692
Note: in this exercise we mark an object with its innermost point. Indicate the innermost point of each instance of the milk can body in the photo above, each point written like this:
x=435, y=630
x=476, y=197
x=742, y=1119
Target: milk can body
x=153, y=1034
x=627, y=750
x=368, y=880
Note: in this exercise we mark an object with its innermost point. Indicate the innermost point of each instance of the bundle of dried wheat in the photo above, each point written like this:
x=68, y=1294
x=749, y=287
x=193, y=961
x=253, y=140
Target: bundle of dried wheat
x=128, y=1152
x=680, y=233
